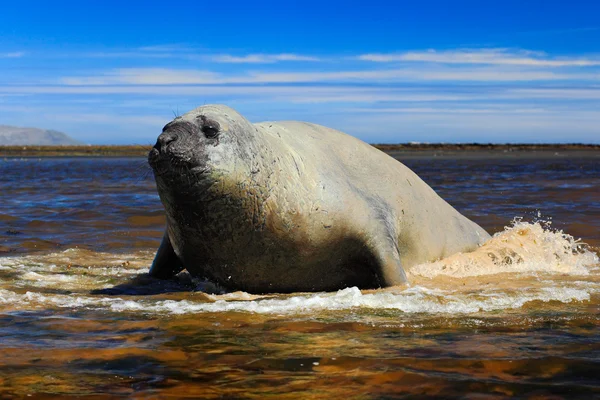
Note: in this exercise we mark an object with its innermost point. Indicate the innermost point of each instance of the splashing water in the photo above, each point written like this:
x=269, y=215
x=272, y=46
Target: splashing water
x=522, y=248
x=526, y=262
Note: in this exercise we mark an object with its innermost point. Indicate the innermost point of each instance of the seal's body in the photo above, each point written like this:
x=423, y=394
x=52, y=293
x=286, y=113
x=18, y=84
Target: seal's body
x=293, y=206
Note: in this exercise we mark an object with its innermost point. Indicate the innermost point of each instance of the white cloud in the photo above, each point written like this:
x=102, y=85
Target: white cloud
x=166, y=76
x=414, y=74
x=166, y=48
x=134, y=54
x=111, y=119
x=375, y=96
x=482, y=56
x=14, y=54
x=565, y=127
x=485, y=94
x=146, y=76
x=157, y=51
x=514, y=109
x=199, y=54
x=317, y=93
x=298, y=94
x=483, y=121
x=260, y=58
x=592, y=93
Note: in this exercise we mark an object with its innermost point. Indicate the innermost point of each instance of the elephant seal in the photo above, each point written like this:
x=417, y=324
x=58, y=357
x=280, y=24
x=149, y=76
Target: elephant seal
x=293, y=206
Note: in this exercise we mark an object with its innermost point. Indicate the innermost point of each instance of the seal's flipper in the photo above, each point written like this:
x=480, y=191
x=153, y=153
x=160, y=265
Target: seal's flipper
x=166, y=264
x=385, y=250
x=391, y=269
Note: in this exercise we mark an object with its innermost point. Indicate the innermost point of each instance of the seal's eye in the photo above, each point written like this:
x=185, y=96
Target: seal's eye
x=209, y=127
x=210, y=131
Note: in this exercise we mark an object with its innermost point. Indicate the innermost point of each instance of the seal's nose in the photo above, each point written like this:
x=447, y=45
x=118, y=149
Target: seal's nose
x=164, y=139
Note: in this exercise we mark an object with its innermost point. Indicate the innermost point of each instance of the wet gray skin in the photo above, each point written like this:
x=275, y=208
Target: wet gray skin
x=292, y=206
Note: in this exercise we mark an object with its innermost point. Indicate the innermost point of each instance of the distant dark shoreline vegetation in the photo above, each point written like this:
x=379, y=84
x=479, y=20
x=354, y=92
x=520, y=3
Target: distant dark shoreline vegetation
x=438, y=149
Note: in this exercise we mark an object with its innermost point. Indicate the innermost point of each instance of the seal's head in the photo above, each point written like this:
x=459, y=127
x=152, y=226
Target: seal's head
x=208, y=170
x=209, y=139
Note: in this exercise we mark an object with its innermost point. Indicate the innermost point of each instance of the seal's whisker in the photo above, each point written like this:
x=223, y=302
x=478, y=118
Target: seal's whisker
x=143, y=170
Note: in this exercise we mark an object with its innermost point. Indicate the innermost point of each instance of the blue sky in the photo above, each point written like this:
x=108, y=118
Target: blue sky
x=386, y=72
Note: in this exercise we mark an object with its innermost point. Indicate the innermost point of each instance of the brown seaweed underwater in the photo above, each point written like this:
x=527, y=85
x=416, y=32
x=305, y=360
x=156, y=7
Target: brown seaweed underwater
x=518, y=318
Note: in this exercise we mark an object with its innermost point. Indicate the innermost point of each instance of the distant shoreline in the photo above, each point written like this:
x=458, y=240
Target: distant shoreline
x=403, y=149
x=75, y=151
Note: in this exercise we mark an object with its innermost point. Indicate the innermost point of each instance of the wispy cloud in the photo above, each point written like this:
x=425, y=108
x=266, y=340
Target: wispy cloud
x=468, y=92
x=464, y=57
x=591, y=93
x=295, y=94
x=167, y=48
x=313, y=94
x=146, y=76
x=485, y=127
x=14, y=54
x=111, y=119
x=482, y=56
x=453, y=110
x=260, y=58
x=416, y=75
x=174, y=51
x=132, y=54
x=166, y=76
x=78, y=115
x=200, y=54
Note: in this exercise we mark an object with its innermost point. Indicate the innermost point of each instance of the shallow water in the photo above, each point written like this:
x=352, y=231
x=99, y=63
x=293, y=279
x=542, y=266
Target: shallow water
x=517, y=318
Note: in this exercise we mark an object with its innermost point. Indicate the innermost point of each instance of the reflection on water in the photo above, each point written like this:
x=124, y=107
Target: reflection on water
x=517, y=318
x=106, y=204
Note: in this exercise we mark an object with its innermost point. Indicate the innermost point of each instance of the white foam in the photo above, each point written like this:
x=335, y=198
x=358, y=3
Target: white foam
x=524, y=248
x=411, y=300
x=544, y=265
x=73, y=269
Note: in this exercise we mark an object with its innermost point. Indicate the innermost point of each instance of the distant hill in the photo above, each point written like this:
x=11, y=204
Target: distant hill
x=17, y=136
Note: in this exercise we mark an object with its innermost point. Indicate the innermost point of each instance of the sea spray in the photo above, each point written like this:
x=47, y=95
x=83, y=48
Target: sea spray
x=522, y=247
x=526, y=262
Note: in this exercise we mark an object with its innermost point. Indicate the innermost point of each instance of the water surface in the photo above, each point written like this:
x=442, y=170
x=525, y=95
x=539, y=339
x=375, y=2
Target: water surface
x=517, y=318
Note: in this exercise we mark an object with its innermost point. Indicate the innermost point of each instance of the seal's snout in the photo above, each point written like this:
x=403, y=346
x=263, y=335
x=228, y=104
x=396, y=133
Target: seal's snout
x=164, y=140
x=162, y=148
x=182, y=147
